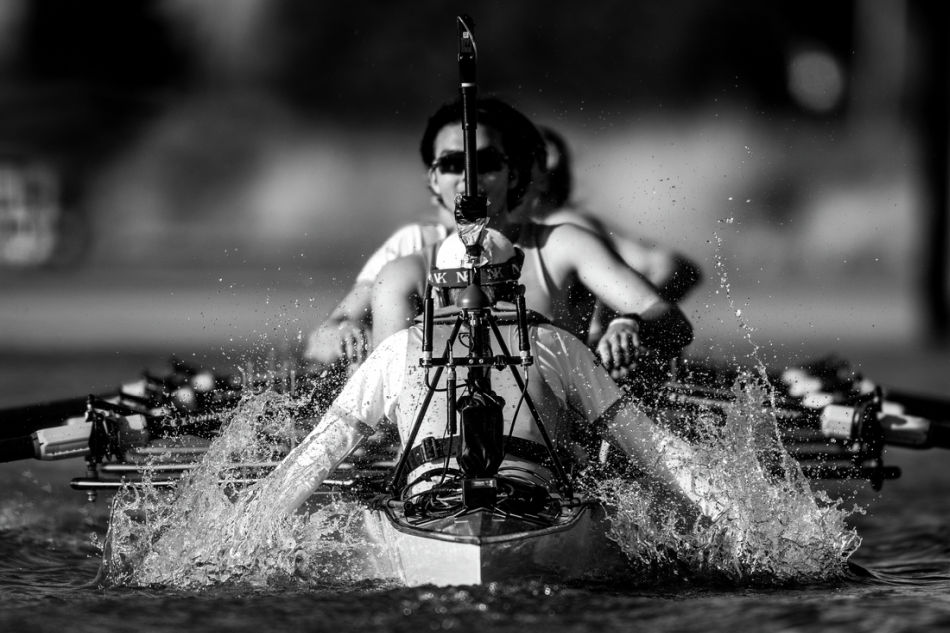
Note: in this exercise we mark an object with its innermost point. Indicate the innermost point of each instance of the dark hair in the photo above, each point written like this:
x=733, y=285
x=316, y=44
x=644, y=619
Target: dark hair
x=559, y=181
x=521, y=140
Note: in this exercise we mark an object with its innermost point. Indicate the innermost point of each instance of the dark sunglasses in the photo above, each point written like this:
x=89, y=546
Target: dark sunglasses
x=489, y=160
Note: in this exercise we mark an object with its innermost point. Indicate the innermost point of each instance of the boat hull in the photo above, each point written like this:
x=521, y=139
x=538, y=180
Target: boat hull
x=482, y=546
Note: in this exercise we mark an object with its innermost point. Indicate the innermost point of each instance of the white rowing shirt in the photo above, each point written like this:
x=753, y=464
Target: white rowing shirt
x=410, y=239
x=565, y=382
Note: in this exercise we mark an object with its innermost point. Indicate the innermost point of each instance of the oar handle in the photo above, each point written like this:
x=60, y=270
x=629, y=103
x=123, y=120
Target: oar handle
x=897, y=428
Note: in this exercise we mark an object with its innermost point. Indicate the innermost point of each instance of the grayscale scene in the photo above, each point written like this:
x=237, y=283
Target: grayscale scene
x=484, y=316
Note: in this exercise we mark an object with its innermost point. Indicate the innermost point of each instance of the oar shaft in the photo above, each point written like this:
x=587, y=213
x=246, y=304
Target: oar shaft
x=16, y=422
x=916, y=404
x=16, y=448
x=899, y=427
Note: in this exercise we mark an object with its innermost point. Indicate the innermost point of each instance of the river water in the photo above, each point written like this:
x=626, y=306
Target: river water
x=898, y=579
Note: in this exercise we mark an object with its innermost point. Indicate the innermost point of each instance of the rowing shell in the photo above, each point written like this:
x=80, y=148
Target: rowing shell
x=484, y=545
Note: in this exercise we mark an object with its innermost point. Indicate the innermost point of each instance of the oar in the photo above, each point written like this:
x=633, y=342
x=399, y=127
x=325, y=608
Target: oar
x=151, y=391
x=353, y=482
x=188, y=394
x=901, y=421
x=20, y=421
x=108, y=426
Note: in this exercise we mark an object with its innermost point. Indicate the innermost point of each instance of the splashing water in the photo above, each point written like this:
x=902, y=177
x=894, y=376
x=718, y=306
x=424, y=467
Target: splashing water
x=749, y=515
x=201, y=534
x=762, y=522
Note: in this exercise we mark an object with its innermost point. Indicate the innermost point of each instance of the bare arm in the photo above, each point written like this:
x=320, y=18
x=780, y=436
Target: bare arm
x=602, y=271
x=575, y=250
x=346, y=332
x=660, y=326
x=670, y=272
x=396, y=300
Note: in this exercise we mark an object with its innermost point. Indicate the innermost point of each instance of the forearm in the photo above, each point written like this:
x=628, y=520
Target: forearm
x=671, y=273
x=395, y=303
x=651, y=323
x=621, y=286
x=341, y=334
x=355, y=306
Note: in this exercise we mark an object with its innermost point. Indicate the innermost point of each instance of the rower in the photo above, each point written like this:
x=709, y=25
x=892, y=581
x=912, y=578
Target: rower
x=548, y=404
x=347, y=333
x=506, y=145
x=573, y=393
x=551, y=202
x=391, y=385
x=564, y=263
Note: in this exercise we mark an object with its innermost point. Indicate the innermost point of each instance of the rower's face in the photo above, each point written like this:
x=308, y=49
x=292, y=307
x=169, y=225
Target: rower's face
x=447, y=176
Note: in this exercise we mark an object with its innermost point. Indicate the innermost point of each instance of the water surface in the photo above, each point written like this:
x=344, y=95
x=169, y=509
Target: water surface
x=49, y=557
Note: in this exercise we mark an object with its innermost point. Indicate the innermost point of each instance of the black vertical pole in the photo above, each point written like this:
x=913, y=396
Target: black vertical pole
x=471, y=208
x=468, y=89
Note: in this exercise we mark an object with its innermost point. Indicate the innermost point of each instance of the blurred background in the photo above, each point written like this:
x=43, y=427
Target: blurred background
x=182, y=175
